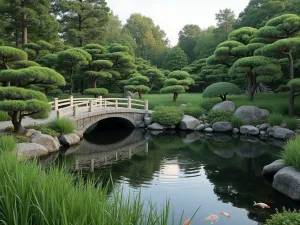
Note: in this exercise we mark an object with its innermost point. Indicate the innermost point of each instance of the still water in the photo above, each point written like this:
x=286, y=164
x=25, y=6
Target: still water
x=218, y=172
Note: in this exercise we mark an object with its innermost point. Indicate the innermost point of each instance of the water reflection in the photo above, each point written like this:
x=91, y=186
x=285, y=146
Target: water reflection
x=219, y=172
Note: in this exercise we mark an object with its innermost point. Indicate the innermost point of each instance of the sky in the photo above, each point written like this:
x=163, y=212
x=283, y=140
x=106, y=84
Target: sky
x=173, y=15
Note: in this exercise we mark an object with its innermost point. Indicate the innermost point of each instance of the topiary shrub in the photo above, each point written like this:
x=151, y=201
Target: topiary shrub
x=63, y=125
x=96, y=92
x=55, y=92
x=209, y=104
x=44, y=129
x=167, y=115
x=292, y=123
x=291, y=153
x=221, y=90
x=236, y=122
x=219, y=116
x=7, y=143
x=287, y=217
x=275, y=119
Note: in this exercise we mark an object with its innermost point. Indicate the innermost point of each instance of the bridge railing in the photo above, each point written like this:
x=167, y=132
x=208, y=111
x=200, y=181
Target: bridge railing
x=74, y=106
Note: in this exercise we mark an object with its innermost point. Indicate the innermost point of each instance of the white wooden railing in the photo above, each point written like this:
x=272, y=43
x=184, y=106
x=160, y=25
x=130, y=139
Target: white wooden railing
x=74, y=106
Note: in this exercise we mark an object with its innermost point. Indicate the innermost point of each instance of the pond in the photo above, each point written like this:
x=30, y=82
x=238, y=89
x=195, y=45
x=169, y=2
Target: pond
x=217, y=172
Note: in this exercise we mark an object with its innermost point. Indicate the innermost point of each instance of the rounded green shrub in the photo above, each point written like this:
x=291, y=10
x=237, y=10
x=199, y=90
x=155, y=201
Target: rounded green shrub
x=287, y=217
x=7, y=143
x=63, y=125
x=193, y=110
x=219, y=116
x=291, y=153
x=96, y=92
x=209, y=104
x=292, y=123
x=275, y=119
x=167, y=115
x=221, y=90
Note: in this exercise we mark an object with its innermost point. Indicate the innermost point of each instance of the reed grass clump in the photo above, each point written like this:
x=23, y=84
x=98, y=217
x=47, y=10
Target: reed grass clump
x=291, y=153
x=63, y=126
x=275, y=119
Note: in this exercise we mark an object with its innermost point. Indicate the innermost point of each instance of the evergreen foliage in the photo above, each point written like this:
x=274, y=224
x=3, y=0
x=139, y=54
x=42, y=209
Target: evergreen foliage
x=221, y=89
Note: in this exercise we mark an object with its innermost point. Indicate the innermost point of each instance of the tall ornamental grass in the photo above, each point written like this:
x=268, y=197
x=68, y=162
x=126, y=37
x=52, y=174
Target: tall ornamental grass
x=7, y=143
x=4, y=116
x=30, y=196
x=63, y=126
x=291, y=153
x=275, y=119
x=292, y=123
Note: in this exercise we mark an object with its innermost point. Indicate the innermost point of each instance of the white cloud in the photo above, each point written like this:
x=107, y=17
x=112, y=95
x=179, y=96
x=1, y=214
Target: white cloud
x=172, y=15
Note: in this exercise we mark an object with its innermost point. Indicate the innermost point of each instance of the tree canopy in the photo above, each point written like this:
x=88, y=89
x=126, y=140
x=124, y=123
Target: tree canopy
x=221, y=89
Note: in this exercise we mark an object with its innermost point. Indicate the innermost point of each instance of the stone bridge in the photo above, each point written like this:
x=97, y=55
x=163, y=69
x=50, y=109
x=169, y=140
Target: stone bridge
x=89, y=111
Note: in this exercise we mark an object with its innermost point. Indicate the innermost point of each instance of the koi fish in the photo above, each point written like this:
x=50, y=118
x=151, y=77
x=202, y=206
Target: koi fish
x=262, y=205
x=187, y=222
x=212, y=219
x=225, y=214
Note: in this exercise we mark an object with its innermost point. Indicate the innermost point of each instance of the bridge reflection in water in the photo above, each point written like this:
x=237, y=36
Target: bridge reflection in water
x=94, y=154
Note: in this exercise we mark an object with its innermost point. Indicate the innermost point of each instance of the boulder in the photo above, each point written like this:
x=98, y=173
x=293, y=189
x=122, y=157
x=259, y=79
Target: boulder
x=29, y=132
x=222, y=127
x=26, y=151
x=227, y=105
x=69, y=139
x=250, y=130
x=208, y=130
x=155, y=126
x=262, y=133
x=287, y=181
x=47, y=141
x=201, y=127
x=250, y=114
x=236, y=131
x=264, y=126
x=188, y=123
x=207, y=125
x=147, y=121
x=283, y=133
x=79, y=134
x=274, y=167
x=189, y=138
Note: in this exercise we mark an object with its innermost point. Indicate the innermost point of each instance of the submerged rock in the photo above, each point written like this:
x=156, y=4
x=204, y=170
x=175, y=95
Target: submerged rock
x=236, y=131
x=287, y=181
x=26, y=151
x=188, y=123
x=208, y=130
x=274, y=167
x=226, y=105
x=250, y=114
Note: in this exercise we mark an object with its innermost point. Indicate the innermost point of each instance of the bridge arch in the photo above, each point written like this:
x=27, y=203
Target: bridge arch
x=130, y=118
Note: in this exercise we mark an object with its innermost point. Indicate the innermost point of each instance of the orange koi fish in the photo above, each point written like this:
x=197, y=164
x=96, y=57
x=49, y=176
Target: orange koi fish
x=212, y=219
x=262, y=205
x=187, y=222
x=225, y=214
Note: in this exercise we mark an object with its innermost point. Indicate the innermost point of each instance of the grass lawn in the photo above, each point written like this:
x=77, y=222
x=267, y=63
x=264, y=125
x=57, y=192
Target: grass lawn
x=272, y=102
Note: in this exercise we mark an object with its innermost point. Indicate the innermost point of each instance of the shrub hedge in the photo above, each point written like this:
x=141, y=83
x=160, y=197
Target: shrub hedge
x=219, y=116
x=167, y=115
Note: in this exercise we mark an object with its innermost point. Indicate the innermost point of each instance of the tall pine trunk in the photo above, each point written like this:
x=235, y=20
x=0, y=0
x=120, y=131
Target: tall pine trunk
x=71, y=81
x=16, y=121
x=292, y=89
x=24, y=29
x=175, y=96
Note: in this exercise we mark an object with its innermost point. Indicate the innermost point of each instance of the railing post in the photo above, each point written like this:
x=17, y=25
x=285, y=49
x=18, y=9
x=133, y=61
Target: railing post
x=71, y=100
x=90, y=105
x=58, y=114
x=116, y=103
x=55, y=104
x=129, y=102
x=104, y=103
x=100, y=101
x=146, y=105
x=75, y=110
